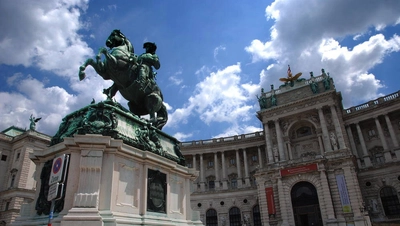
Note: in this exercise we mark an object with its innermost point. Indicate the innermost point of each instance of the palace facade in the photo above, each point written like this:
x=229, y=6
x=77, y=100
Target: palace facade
x=18, y=173
x=314, y=163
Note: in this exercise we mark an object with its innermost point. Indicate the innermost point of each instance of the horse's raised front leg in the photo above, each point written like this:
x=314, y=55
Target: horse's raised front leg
x=82, y=68
x=97, y=65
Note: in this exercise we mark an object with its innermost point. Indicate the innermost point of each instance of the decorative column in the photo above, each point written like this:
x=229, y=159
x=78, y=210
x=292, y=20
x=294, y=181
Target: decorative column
x=351, y=138
x=388, y=155
x=216, y=182
x=224, y=179
x=393, y=136
x=289, y=146
x=202, y=179
x=270, y=155
x=194, y=162
x=321, y=145
x=239, y=171
x=353, y=145
x=391, y=131
x=338, y=128
x=366, y=158
x=246, y=169
x=327, y=195
x=260, y=162
x=380, y=133
x=282, y=203
x=325, y=135
x=281, y=148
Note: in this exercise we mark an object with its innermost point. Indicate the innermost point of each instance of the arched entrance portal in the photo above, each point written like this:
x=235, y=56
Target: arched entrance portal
x=306, y=205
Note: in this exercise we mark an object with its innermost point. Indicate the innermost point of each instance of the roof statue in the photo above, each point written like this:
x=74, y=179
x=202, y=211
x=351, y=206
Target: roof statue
x=313, y=83
x=33, y=120
x=290, y=78
x=133, y=76
x=327, y=79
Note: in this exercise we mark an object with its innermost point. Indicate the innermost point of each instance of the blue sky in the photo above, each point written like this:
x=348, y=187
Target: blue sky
x=215, y=55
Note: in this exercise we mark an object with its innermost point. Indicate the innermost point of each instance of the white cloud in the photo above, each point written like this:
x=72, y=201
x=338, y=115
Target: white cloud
x=175, y=80
x=218, y=98
x=33, y=98
x=310, y=39
x=43, y=34
x=217, y=50
x=182, y=136
x=169, y=108
x=238, y=129
x=261, y=51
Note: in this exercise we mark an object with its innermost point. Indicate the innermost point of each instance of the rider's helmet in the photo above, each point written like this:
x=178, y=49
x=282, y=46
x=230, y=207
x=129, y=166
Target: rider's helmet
x=150, y=47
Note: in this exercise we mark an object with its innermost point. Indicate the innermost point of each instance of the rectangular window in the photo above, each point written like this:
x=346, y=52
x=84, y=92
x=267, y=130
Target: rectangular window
x=7, y=206
x=189, y=165
x=254, y=158
x=3, y=157
x=210, y=163
x=371, y=133
x=379, y=158
x=233, y=183
x=211, y=185
x=232, y=161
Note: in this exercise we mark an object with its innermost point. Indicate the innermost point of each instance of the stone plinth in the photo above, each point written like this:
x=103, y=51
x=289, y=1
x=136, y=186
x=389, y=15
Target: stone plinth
x=108, y=184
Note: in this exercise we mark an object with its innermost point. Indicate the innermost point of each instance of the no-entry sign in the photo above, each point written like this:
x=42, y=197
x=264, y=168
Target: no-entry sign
x=57, y=174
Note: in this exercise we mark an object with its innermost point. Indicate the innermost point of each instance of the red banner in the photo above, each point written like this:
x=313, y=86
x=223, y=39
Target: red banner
x=270, y=200
x=298, y=170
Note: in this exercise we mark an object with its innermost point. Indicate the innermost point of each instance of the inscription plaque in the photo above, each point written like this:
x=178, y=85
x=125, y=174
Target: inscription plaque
x=156, y=191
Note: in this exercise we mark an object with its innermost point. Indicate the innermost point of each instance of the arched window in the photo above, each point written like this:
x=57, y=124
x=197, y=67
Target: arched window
x=235, y=217
x=211, y=218
x=390, y=201
x=256, y=216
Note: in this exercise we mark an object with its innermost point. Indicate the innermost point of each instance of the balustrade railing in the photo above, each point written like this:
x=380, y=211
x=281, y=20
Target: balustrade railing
x=372, y=103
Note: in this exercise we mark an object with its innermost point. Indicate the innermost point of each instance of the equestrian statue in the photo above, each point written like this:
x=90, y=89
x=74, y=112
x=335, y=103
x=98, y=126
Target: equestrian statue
x=133, y=76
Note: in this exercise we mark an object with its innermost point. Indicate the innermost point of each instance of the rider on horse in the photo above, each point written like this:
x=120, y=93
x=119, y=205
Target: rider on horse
x=133, y=76
x=146, y=61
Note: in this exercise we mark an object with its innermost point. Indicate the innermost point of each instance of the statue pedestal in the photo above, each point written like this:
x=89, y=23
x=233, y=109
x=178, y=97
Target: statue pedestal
x=128, y=178
x=111, y=183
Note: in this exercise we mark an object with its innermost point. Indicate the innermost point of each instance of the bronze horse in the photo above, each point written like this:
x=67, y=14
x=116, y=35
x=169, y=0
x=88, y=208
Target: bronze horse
x=132, y=75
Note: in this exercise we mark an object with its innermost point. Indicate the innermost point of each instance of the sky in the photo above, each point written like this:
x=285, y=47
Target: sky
x=215, y=55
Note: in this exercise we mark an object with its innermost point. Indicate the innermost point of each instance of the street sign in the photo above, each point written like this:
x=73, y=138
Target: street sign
x=55, y=191
x=58, y=169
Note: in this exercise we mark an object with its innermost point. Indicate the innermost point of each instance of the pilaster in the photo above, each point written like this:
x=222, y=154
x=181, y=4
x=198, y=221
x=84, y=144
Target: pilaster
x=279, y=138
x=338, y=128
x=325, y=135
x=366, y=158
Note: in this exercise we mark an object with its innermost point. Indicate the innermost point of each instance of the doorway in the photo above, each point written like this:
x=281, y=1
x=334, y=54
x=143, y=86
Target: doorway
x=306, y=205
